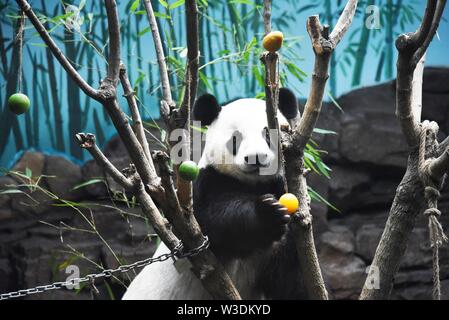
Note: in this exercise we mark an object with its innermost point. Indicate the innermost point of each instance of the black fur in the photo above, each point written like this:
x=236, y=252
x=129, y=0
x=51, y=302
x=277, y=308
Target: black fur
x=206, y=109
x=242, y=218
x=288, y=103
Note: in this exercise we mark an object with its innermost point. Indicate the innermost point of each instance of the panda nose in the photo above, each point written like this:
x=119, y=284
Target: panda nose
x=258, y=159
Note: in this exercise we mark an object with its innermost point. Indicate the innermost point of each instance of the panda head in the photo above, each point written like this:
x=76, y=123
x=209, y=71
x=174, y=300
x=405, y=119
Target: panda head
x=237, y=140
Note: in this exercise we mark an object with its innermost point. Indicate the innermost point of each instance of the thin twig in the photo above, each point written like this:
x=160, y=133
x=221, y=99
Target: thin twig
x=130, y=96
x=65, y=63
x=165, y=82
x=267, y=16
x=114, y=42
x=191, y=78
x=87, y=141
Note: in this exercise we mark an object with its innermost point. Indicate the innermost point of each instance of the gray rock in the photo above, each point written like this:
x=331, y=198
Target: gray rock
x=31, y=201
x=6, y=274
x=64, y=176
x=418, y=253
x=367, y=239
x=343, y=274
x=339, y=239
x=435, y=80
x=91, y=171
x=6, y=183
x=34, y=161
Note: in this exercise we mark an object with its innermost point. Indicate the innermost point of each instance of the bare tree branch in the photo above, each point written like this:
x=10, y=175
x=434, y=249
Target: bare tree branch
x=409, y=198
x=343, y=22
x=189, y=230
x=267, y=16
x=323, y=45
x=270, y=61
x=65, y=63
x=411, y=49
x=129, y=94
x=423, y=31
x=433, y=29
x=193, y=57
x=87, y=141
x=114, y=42
x=165, y=82
x=439, y=166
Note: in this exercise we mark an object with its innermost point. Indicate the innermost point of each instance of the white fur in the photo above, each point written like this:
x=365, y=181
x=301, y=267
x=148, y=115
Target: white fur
x=161, y=280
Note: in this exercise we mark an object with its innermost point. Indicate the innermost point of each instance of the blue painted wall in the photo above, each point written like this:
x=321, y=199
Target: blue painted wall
x=288, y=17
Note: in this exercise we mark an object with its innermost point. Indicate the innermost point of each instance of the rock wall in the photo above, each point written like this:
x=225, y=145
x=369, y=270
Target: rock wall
x=368, y=158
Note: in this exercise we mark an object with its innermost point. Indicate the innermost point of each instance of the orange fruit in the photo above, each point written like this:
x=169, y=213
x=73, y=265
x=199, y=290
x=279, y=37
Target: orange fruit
x=273, y=41
x=290, y=202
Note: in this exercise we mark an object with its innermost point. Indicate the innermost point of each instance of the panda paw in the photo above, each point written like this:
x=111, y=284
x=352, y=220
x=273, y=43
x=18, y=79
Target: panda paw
x=272, y=210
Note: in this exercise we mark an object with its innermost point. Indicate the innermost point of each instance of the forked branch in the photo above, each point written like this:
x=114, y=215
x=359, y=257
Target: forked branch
x=323, y=43
x=409, y=198
x=412, y=47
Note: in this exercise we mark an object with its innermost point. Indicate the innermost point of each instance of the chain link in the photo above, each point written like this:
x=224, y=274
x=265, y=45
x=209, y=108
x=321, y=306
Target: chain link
x=177, y=253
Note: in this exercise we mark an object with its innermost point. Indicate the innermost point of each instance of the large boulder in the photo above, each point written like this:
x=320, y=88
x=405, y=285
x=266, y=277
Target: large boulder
x=92, y=172
x=343, y=272
x=31, y=161
x=63, y=177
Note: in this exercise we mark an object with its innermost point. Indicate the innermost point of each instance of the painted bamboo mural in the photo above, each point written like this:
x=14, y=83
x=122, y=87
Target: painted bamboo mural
x=229, y=60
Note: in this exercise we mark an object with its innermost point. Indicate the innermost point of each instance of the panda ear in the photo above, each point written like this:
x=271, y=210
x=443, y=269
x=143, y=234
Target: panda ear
x=206, y=109
x=288, y=103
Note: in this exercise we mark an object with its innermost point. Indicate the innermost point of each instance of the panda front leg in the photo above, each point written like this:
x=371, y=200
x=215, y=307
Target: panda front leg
x=239, y=224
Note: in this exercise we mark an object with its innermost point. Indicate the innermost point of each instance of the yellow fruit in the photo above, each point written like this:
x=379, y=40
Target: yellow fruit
x=273, y=41
x=289, y=201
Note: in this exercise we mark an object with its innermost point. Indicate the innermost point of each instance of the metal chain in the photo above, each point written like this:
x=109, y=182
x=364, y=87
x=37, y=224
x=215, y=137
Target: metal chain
x=177, y=253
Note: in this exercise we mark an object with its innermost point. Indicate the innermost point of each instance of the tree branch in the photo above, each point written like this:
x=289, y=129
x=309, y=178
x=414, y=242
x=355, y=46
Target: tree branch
x=433, y=29
x=165, y=82
x=87, y=89
x=129, y=94
x=411, y=49
x=87, y=141
x=188, y=229
x=191, y=77
x=323, y=45
x=270, y=61
x=409, y=198
x=344, y=22
x=267, y=16
x=114, y=42
x=439, y=166
x=422, y=33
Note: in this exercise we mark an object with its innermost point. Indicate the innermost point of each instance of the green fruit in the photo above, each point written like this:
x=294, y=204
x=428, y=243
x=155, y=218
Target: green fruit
x=18, y=103
x=188, y=170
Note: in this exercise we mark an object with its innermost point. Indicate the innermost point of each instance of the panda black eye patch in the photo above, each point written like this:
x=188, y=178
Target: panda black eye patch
x=234, y=142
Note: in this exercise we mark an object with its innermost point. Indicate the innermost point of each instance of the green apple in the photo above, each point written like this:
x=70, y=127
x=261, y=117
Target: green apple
x=188, y=170
x=18, y=103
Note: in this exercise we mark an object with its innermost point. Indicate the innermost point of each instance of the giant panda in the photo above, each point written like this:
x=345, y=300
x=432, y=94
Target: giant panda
x=236, y=207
